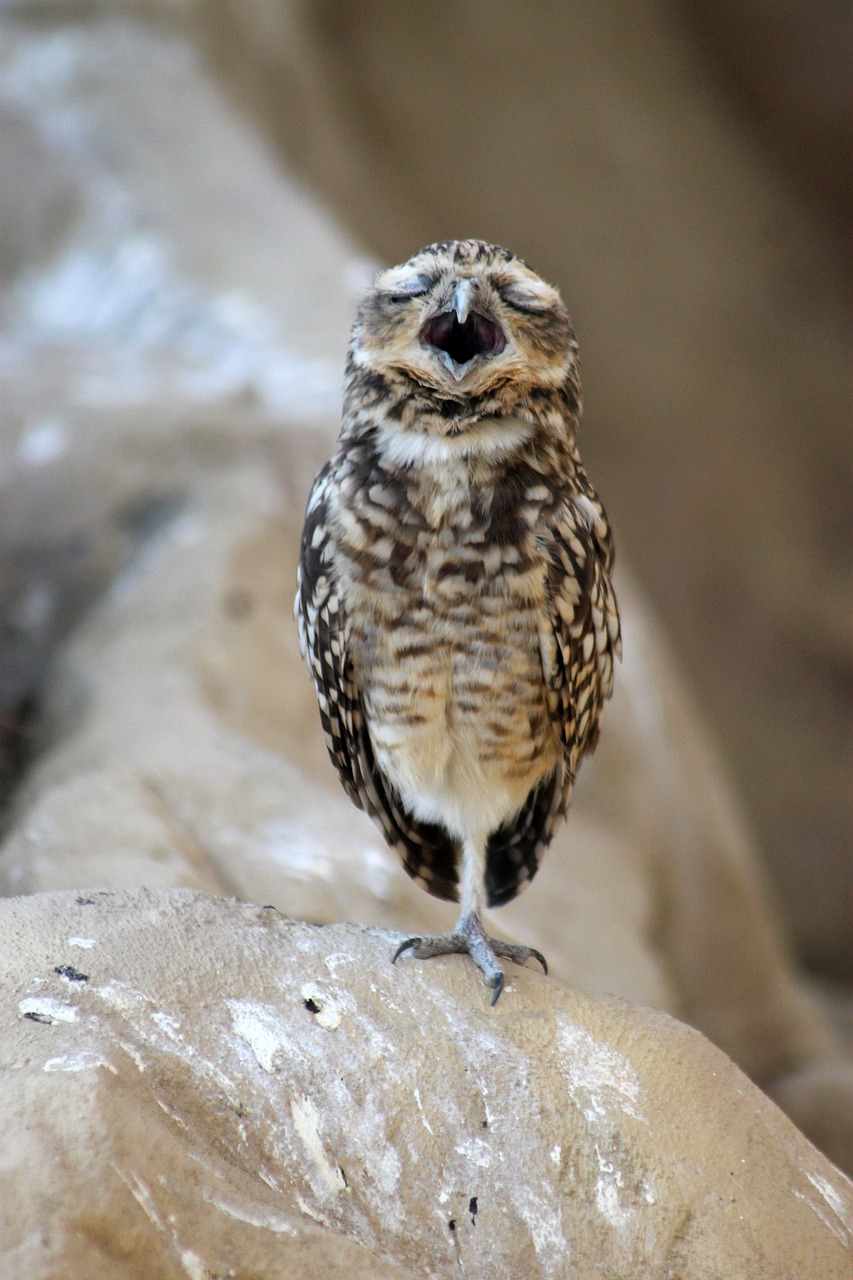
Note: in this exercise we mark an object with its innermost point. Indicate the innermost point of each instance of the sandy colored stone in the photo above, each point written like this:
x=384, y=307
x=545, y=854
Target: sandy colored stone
x=253, y=1096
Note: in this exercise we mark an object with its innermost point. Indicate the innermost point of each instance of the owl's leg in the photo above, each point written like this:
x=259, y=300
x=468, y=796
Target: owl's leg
x=469, y=937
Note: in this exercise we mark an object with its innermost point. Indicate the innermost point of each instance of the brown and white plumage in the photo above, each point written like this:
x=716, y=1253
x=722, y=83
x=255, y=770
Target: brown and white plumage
x=454, y=599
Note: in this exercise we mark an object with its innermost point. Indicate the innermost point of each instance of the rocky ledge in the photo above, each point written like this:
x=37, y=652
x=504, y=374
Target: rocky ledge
x=199, y=1087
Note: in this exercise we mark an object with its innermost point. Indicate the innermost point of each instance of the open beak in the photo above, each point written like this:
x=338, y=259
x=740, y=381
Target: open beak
x=461, y=332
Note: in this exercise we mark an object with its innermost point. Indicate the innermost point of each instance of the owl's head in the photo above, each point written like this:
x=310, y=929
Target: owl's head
x=462, y=321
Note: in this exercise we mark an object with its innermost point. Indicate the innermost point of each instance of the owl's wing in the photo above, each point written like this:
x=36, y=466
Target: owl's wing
x=579, y=639
x=583, y=637
x=427, y=852
x=514, y=850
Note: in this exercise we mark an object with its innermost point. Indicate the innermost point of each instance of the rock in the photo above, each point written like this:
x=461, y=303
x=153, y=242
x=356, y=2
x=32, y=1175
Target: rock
x=247, y=1095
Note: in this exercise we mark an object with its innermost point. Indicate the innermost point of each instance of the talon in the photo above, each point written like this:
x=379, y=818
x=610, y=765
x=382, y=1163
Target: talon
x=469, y=938
x=404, y=946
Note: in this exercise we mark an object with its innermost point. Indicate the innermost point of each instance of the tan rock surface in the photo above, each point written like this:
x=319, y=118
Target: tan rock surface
x=252, y=1096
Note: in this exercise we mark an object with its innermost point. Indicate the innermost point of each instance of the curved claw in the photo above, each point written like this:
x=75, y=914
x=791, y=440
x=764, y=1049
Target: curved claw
x=404, y=946
x=498, y=986
x=518, y=954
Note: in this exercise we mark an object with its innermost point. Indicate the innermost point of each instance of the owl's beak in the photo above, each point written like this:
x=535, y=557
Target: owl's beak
x=461, y=333
x=462, y=295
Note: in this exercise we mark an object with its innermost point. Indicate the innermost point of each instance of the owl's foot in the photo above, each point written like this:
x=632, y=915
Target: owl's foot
x=469, y=938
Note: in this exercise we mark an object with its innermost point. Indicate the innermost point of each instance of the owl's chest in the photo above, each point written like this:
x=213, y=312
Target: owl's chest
x=446, y=607
x=445, y=613
x=449, y=560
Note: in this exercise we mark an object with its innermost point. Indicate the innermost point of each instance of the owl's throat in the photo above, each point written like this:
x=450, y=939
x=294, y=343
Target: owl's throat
x=463, y=340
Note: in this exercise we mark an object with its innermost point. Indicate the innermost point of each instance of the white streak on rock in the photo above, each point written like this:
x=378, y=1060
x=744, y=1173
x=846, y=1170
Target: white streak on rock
x=84, y=1061
x=600, y=1080
x=262, y=1031
x=426, y=1124
x=831, y=1196
x=839, y=1233
x=256, y=1217
x=46, y=1009
x=141, y=1193
x=836, y=1220
x=132, y=1053
x=82, y=942
x=309, y=1210
x=477, y=1151
x=543, y=1219
x=608, y=1187
x=168, y=1025
x=173, y=1115
x=307, y=1124
x=121, y=996
x=193, y=1265
x=339, y=958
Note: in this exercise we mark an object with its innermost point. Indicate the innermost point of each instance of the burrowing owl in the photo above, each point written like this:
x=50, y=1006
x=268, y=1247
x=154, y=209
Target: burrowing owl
x=454, y=599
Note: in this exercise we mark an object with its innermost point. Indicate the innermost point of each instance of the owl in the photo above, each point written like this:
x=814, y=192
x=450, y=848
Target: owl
x=454, y=595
